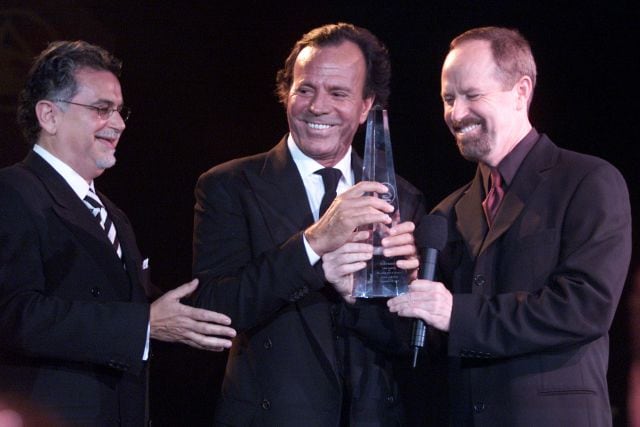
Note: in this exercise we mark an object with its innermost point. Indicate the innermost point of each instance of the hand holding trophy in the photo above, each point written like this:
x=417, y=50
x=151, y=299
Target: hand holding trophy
x=381, y=277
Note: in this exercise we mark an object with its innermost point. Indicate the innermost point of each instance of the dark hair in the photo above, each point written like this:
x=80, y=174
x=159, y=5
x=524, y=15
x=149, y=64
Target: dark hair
x=375, y=54
x=52, y=76
x=511, y=52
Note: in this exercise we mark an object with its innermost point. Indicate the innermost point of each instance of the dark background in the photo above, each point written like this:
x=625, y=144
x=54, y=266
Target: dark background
x=199, y=77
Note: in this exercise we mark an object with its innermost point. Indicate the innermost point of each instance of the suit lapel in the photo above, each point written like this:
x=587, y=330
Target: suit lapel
x=282, y=199
x=78, y=219
x=280, y=194
x=130, y=255
x=470, y=217
x=471, y=221
x=531, y=172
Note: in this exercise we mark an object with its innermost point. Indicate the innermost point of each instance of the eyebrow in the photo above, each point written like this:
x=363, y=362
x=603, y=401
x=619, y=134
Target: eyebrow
x=343, y=88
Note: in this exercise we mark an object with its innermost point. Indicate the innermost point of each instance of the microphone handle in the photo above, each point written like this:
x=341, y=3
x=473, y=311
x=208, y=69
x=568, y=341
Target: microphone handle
x=427, y=272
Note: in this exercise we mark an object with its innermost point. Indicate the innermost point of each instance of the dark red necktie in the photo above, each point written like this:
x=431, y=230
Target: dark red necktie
x=492, y=202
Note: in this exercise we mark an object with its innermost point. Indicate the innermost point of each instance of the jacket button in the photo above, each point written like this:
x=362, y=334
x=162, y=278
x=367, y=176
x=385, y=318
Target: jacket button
x=479, y=280
x=96, y=292
x=265, y=404
x=267, y=343
x=479, y=407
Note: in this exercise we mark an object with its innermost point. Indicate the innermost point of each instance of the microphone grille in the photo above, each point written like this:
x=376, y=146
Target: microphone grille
x=432, y=232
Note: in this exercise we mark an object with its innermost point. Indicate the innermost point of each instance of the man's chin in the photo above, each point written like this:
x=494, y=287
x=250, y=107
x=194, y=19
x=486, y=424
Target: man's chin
x=106, y=163
x=473, y=150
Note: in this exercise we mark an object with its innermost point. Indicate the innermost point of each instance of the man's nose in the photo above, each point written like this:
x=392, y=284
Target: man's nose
x=458, y=110
x=116, y=121
x=320, y=104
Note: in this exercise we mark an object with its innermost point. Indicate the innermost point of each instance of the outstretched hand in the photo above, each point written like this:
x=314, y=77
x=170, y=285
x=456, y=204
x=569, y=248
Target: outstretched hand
x=172, y=321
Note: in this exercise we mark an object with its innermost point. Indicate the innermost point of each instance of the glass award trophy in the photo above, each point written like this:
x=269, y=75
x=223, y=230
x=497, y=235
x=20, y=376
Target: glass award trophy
x=381, y=278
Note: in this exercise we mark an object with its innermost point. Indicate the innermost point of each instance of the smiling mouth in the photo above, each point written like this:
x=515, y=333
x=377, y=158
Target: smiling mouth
x=468, y=128
x=318, y=126
x=109, y=141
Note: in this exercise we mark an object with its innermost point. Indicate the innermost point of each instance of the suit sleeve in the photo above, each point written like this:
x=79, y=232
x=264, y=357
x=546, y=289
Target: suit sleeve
x=38, y=321
x=563, y=285
x=242, y=271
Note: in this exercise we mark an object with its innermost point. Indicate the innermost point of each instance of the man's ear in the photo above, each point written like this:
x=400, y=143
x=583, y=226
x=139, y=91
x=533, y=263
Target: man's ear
x=48, y=117
x=368, y=103
x=524, y=89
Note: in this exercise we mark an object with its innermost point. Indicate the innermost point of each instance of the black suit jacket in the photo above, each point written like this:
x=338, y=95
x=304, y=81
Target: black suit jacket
x=249, y=255
x=74, y=321
x=534, y=296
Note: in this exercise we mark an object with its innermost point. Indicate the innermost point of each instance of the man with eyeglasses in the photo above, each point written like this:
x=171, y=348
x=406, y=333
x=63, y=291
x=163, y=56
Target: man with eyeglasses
x=75, y=323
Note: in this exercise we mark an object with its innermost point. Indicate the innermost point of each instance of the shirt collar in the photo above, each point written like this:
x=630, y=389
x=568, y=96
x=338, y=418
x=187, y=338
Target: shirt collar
x=75, y=181
x=509, y=166
x=308, y=166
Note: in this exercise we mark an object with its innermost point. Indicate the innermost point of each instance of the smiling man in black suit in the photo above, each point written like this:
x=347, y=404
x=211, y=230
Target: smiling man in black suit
x=538, y=251
x=306, y=353
x=74, y=318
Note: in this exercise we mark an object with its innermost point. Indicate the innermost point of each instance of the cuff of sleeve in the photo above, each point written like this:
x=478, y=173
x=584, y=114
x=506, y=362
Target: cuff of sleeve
x=311, y=254
x=145, y=354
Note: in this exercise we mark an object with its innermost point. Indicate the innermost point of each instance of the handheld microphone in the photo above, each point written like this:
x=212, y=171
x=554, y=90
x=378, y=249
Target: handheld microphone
x=431, y=237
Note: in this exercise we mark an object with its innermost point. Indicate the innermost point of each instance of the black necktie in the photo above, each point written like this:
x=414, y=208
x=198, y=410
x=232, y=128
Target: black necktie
x=330, y=177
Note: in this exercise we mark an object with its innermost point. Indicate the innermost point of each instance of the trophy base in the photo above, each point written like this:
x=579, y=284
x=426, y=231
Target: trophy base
x=380, y=279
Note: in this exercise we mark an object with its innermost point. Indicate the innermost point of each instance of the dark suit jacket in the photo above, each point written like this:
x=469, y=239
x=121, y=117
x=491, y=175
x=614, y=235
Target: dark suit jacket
x=74, y=321
x=534, y=297
x=249, y=255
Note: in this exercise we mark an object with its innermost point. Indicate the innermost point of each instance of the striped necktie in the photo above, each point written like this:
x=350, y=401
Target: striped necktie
x=97, y=209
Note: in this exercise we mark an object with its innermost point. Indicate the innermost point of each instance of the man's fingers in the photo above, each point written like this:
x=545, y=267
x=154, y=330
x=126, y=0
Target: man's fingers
x=183, y=290
x=209, y=329
x=351, y=268
x=200, y=314
x=351, y=247
x=208, y=343
x=360, y=236
x=363, y=187
x=397, y=240
x=408, y=264
x=403, y=227
x=356, y=218
x=404, y=251
x=363, y=202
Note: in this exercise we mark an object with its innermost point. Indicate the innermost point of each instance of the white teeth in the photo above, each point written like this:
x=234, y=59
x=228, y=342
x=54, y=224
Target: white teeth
x=109, y=135
x=318, y=126
x=469, y=128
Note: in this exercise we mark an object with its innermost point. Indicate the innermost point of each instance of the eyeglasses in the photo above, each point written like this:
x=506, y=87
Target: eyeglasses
x=104, y=113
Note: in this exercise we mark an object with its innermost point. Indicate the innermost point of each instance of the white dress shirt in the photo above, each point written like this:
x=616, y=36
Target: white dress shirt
x=314, y=185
